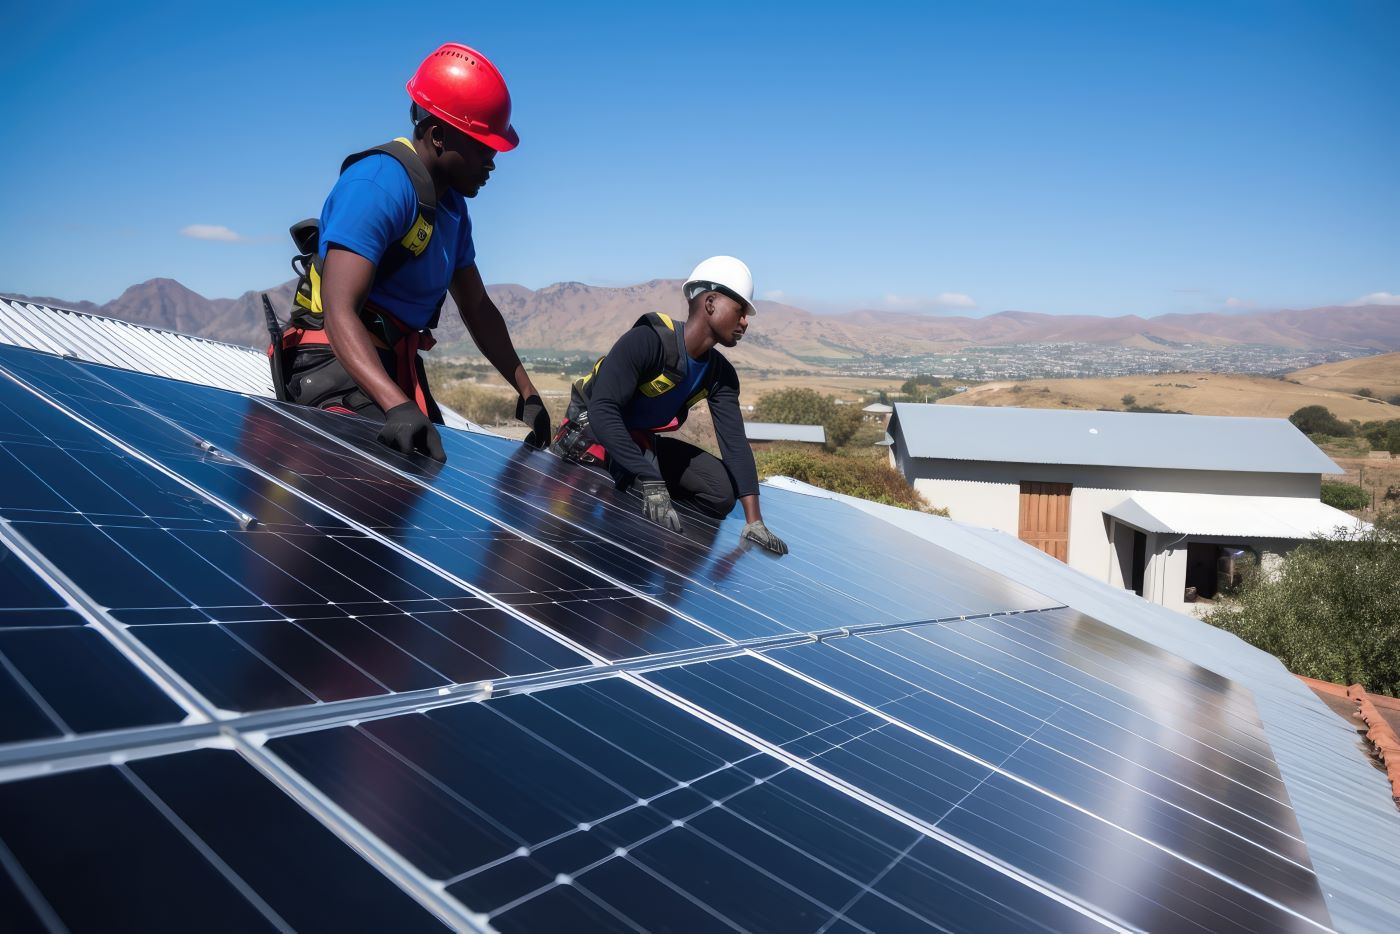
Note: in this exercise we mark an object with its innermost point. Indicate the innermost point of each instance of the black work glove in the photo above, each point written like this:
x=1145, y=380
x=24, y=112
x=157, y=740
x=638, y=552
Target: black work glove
x=406, y=429
x=656, y=505
x=532, y=412
x=758, y=533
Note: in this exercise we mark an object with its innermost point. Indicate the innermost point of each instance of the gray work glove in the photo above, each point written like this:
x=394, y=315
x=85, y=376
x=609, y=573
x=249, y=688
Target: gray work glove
x=532, y=412
x=758, y=533
x=656, y=505
x=406, y=429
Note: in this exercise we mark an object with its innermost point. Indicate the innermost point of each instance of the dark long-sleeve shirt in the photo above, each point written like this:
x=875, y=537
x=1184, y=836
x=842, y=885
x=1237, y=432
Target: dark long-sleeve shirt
x=638, y=356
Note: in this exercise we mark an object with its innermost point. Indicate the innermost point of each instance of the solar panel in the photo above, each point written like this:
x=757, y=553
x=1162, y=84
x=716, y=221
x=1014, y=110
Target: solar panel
x=319, y=684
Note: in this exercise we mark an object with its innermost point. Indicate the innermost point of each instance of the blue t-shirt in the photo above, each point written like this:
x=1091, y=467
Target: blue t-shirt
x=370, y=209
x=643, y=411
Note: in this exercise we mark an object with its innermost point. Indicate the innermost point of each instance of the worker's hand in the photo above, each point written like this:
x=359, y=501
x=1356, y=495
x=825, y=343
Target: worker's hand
x=656, y=505
x=532, y=412
x=406, y=429
x=758, y=533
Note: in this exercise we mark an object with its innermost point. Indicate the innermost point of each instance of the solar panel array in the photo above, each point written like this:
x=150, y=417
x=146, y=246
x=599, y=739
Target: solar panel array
x=259, y=672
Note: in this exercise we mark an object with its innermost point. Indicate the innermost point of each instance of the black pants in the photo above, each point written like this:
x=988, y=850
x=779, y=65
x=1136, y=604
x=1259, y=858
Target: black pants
x=694, y=477
x=316, y=378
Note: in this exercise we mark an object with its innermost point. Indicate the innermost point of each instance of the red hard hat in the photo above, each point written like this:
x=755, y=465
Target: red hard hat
x=459, y=85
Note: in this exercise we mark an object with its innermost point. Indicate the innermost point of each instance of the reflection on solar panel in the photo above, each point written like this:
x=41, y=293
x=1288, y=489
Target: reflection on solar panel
x=259, y=672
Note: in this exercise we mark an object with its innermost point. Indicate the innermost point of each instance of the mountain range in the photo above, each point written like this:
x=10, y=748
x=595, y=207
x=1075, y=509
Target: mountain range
x=578, y=318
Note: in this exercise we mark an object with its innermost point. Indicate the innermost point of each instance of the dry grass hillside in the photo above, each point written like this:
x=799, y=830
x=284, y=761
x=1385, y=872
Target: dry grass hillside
x=1380, y=374
x=1196, y=393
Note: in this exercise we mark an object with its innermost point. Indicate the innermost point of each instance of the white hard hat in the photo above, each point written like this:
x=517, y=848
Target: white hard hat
x=722, y=274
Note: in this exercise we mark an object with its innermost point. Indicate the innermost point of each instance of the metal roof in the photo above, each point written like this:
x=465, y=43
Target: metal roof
x=1350, y=825
x=144, y=349
x=1110, y=439
x=774, y=431
x=137, y=347
x=1220, y=514
x=878, y=408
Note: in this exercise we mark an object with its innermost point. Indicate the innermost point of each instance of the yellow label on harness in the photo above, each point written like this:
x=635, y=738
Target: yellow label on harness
x=416, y=240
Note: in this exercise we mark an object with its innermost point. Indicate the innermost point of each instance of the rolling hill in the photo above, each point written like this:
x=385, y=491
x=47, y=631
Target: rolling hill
x=574, y=317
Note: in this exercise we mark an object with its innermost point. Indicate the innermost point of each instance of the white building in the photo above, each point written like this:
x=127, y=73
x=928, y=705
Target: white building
x=1164, y=505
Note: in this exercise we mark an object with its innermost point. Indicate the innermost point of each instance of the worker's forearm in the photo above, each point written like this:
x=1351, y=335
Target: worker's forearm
x=488, y=329
x=350, y=341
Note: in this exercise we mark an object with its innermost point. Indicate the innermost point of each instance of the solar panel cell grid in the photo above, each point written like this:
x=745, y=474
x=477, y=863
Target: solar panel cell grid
x=1032, y=770
x=194, y=840
x=600, y=804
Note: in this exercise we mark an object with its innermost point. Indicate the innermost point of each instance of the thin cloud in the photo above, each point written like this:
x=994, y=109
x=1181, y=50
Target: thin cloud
x=939, y=302
x=212, y=232
x=1377, y=298
x=1238, y=303
x=774, y=295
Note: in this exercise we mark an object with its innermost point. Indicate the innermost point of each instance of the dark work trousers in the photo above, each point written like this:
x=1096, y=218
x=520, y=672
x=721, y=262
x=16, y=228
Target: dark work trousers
x=319, y=380
x=694, y=477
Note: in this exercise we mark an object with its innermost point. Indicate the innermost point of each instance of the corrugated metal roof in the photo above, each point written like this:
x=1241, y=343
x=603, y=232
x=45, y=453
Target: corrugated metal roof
x=1111, y=439
x=134, y=347
x=1343, y=804
x=1220, y=514
x=773, y=431
x=67, y=333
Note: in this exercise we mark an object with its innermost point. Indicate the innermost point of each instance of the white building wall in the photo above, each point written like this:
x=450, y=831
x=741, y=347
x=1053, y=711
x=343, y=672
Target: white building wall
x=987, y=493
x=992, y=505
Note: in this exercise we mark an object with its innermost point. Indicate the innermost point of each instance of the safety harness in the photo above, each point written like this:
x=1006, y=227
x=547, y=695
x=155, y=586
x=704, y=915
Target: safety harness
x=575, y=439
x=306, y=329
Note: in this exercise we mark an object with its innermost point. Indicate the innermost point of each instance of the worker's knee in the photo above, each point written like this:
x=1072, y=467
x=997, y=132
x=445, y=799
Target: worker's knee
x=717, y=502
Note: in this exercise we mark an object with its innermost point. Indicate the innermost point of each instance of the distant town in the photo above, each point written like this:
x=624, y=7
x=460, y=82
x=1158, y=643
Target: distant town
x=1064, y=360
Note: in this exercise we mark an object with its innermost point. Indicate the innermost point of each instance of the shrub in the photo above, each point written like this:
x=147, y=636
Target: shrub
x=866, y=477
x=1129, y=399
x=1329, y=612
x=1365, y=393
x=1319, y=420
x=1394, y=400
x=1340, y=495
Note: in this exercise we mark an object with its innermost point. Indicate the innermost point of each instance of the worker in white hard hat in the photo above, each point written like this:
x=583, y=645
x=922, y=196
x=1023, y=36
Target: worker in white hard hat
x=643, y=388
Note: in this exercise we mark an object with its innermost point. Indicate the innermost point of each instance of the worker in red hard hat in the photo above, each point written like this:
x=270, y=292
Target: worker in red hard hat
x=394, y=237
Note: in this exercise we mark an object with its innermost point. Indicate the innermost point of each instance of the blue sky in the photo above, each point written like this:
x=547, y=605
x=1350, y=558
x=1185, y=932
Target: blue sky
x=1092, y=157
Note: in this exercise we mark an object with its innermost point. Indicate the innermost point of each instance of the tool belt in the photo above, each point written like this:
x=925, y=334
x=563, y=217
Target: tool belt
x=575, y=441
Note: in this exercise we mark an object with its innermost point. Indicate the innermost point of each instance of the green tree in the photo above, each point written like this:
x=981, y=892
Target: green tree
x=915, y=386
x=794, y=407
x=1319, y=420
x=1384, y=436
x=809, y=407
x=1329, y=612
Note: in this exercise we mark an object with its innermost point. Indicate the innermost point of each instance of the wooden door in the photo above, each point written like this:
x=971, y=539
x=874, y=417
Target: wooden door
x=1045, y=517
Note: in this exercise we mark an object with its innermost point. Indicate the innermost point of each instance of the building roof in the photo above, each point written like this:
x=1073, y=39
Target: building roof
x=1343, y=804
x=1221, y=514
x=878, y=408
x=144, y=349
x=134, y=347
x=1110, y=439
x=775, y=431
